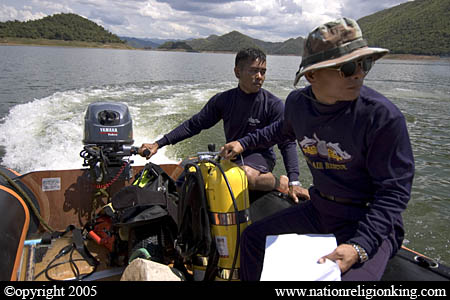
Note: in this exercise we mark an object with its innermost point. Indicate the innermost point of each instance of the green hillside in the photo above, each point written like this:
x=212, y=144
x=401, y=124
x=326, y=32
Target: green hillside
x=234, y=41
x=291, y=47
x=67, y=27
x=176, y=46
x=139, y=43
x=417, y=27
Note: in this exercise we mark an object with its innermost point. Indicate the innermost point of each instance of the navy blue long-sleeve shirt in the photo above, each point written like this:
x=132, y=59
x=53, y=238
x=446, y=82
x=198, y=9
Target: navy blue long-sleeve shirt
x=241, y=114
x=354, y=149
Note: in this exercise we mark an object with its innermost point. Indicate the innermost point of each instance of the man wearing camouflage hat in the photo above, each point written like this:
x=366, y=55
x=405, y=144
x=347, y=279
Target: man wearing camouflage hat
x=357, y=147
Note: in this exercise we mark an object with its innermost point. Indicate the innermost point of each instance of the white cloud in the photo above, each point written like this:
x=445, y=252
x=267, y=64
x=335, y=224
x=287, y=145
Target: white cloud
x=9, y=13
x=52, y=5
x=157, y=11
x=270, y=20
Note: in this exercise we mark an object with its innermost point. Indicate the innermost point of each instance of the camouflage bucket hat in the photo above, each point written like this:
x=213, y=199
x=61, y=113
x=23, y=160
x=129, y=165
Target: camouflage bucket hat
x=335, y=43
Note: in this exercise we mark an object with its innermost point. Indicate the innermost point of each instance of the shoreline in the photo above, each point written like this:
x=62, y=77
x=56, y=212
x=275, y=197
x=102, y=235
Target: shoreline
x=414, y=57
x=80, y=44
x=61, y=43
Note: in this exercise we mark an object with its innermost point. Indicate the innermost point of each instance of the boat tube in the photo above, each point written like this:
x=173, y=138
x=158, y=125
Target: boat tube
x=14, y=224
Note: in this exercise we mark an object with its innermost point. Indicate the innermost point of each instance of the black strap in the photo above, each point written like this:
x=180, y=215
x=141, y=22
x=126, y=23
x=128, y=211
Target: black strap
x=154, y=170
x=133, y=196
x=47, y=237
x=77, y=240
x=348, y=201
x=194, y=233
x=213, y=261
x=162, y=177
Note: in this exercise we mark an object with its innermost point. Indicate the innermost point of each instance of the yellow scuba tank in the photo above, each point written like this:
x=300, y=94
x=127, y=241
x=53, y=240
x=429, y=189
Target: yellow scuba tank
x=213, y=212
x=229, y=212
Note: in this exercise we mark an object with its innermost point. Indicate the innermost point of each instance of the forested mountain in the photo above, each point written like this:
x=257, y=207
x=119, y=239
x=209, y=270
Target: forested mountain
x=68, y=27
x=176, y=46
x=233, y=41
x=415, y=27
x=139, y=43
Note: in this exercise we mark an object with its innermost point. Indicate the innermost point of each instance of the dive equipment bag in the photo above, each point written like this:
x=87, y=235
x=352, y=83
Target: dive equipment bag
x=145, y=214
x=152, y=195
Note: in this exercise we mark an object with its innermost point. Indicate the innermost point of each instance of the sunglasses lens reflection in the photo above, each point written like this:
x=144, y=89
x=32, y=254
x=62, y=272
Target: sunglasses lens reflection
x=349, y=69
x=367, y=64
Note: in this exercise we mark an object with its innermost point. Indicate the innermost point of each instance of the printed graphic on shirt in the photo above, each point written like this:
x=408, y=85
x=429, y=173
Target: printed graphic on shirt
x=334, y=155
x=253, y=122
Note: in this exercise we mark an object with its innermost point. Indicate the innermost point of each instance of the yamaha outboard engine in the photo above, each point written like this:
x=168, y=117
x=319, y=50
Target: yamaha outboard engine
x=108, y=139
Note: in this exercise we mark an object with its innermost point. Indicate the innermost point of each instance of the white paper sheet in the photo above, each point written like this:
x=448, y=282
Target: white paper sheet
x=293, y=257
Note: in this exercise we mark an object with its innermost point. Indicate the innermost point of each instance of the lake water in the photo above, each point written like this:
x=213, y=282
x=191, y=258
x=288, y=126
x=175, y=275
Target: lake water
x=44, y=92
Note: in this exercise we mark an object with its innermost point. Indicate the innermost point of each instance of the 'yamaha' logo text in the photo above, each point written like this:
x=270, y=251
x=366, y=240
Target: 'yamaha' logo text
x=108, y=131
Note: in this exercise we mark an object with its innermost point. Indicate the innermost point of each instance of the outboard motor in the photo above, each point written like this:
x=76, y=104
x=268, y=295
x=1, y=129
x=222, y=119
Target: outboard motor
x=108, y=139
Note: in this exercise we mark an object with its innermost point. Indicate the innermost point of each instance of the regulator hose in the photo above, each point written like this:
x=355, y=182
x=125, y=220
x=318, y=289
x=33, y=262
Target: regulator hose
x=28, y=200
x=204, y=244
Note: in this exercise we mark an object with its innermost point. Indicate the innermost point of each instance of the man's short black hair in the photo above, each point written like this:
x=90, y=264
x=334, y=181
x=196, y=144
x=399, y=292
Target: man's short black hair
x=249, y=55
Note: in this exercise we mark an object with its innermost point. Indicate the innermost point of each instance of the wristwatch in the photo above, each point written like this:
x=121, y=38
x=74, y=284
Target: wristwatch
x=362, y=254
x=295, y=183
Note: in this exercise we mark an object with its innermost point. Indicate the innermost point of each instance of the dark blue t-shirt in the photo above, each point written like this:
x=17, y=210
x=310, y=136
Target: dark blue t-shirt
x=354, y=149
x=241, y=114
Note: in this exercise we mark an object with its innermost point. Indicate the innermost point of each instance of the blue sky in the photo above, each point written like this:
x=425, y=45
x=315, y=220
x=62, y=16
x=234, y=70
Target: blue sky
x=268, y=20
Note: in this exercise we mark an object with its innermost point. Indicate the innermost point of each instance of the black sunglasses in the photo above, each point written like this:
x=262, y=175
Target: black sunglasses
x=348, y=69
